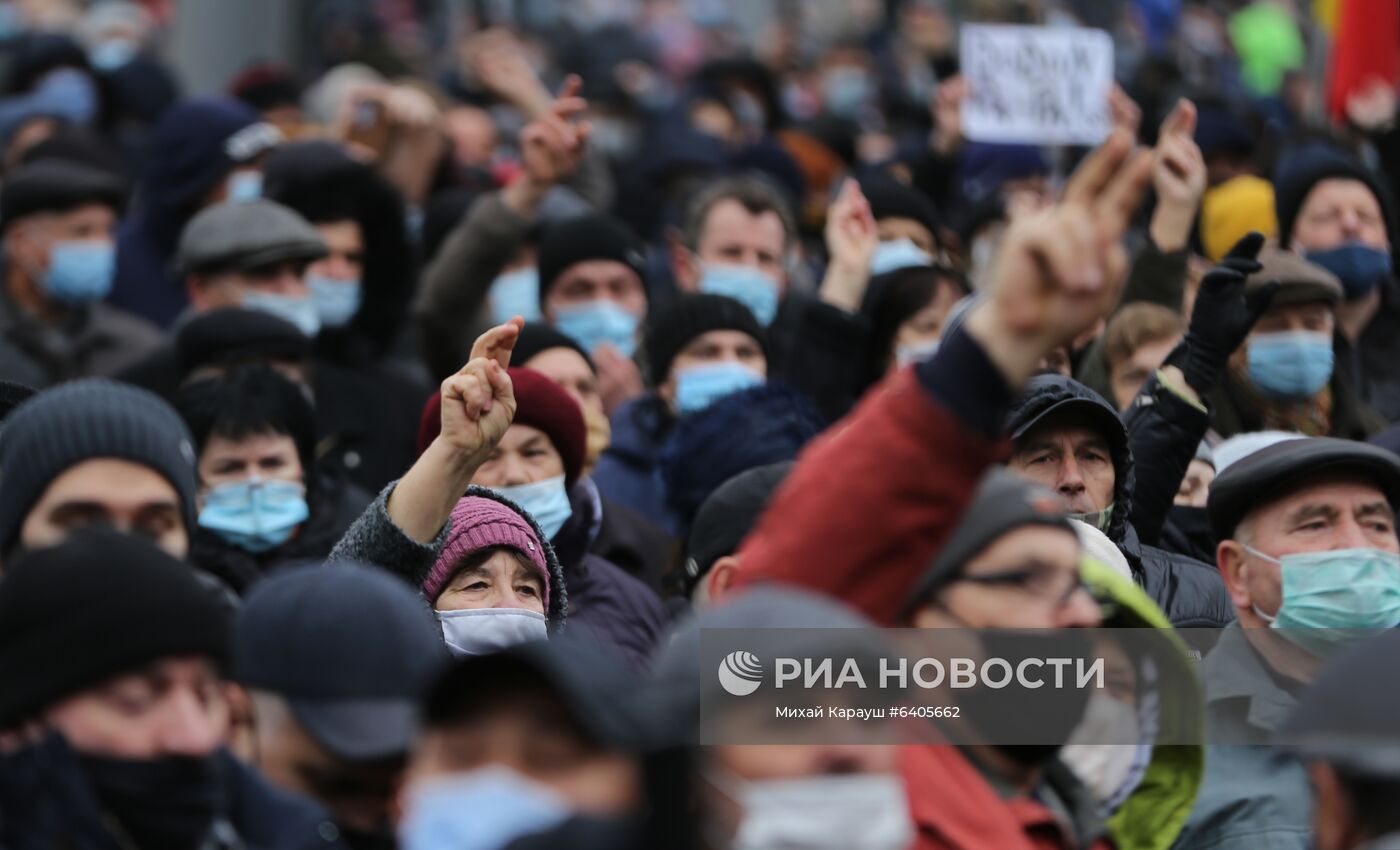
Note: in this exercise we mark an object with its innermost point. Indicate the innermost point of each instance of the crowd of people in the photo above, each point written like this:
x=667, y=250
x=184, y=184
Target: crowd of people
x=380, y=436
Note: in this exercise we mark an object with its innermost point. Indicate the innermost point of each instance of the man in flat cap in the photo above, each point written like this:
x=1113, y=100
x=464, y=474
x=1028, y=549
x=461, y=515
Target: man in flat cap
x=1308, y=553
x=56, y=226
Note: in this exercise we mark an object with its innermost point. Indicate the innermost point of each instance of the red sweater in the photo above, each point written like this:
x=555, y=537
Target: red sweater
x=872, y=500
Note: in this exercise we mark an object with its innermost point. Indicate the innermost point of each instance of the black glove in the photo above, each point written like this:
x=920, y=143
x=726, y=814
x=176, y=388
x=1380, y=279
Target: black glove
x=1223, y=315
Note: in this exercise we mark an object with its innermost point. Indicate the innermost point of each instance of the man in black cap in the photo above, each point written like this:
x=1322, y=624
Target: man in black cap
x=57, y=223
x=721, y=524
x=334, y=714
x=592, y=287
x=523, y=740
x=251, y=254
x=1352, y=748
x=95, y=453
x=1336, y=212
x=114, y=712
x=699, y=349
x=1308, y=551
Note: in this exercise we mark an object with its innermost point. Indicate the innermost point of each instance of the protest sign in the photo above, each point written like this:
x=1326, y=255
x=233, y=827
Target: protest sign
x=1036, y=85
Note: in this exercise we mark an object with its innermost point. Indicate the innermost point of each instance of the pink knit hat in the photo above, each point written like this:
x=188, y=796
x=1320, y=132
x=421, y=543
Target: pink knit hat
x=480, y=523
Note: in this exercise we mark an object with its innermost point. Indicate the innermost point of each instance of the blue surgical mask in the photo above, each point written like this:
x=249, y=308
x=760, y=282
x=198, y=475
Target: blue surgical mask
x=1331, y=598
x=516, y=293
x=255, y=515
x=1360, y=268
x=594, y=323
x=1290, y=365
x=113, y=54
x=846, y=91
x=744, y=284
x=483, y=809
x=299, y=311
x=67, y=93
x=336, y=301
x=482, y=631
x=547, y=501
x=245, y=185
x=700, y=386
x=80, y=272
x=897, y=254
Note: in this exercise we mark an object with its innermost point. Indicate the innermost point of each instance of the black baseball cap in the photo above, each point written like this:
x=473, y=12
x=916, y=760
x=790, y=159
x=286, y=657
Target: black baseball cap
x=1274, y=472
x=727, y=517
x=350, y=647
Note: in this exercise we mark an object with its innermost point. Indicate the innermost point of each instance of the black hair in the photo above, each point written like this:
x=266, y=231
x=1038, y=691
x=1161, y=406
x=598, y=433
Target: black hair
x=892, y=299
x=1372, y=801
x=248, y=401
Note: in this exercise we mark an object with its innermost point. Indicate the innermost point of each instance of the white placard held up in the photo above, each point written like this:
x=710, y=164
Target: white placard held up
x=1036, y=85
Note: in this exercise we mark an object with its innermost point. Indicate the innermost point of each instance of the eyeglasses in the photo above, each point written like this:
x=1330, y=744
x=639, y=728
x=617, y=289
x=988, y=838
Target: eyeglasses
x=1044, y=585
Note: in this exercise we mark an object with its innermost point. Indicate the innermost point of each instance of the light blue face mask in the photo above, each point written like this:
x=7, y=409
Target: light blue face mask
x=80, y=272
x=846, y=91
x=482, y=631
x=483, y=809
x=113, y=53
x=918, y=352
x=516, y=293
x=299, y=311
x=245, y=186
x=744, y=284
x=1332, y=598
x=255, y=515
x=547, y=501
x=594, y=323
x=336, y=301
x=1290, y=365
x=700, y=386
x=897, y=254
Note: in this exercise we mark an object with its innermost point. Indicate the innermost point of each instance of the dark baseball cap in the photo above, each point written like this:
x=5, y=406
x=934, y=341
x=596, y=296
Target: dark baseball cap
x=1275, y=471
x=350, y=647
x=727, y=517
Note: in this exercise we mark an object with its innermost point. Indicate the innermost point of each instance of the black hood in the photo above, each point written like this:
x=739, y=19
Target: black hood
x=1052, y=394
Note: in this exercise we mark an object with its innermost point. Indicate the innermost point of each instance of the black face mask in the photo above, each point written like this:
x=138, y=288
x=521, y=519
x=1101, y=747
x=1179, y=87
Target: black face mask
x=369, y=839
x=163, y=804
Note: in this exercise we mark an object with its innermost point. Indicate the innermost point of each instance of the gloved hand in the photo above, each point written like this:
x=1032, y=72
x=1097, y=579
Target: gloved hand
x=1223, y=315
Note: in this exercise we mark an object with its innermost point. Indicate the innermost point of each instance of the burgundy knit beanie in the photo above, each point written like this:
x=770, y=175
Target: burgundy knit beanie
x=480, y=523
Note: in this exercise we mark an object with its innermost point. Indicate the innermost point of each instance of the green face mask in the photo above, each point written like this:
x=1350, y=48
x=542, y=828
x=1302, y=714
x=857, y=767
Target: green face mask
x=1331, y=598
x=1098, y=519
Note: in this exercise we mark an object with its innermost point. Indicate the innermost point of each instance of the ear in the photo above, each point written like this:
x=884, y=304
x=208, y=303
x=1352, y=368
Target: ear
x=684, y=264
x=1233, y=563
x=721, y=577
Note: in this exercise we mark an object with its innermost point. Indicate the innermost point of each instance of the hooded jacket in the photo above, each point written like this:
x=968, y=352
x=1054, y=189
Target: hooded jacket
x=1190, y=592
x=1155, y=812
x=184, y=160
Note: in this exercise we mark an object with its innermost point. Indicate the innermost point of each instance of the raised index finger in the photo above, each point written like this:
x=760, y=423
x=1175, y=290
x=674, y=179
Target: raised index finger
x=1182, y=119
x=498, y=343
x=1098, y=168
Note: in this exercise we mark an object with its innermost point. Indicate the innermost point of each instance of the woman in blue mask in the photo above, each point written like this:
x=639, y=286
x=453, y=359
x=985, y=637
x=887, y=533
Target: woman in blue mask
x=537, y=465
x=1284, y=377
x=261, y=501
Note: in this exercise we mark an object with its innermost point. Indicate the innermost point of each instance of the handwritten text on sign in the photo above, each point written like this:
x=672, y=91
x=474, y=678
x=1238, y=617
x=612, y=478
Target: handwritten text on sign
x=1036, y=85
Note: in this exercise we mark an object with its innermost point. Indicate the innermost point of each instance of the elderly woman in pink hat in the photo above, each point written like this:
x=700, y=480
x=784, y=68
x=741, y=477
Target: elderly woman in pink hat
x=496, y=582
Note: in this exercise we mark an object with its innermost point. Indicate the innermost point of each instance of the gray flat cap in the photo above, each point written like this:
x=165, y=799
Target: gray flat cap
x=246, y=234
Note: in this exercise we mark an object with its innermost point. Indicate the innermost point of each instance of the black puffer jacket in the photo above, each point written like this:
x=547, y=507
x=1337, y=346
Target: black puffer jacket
x=1190, y=592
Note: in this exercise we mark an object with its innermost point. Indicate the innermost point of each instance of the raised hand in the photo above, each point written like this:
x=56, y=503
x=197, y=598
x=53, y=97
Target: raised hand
x=851, y=240
x=478, y=403
x=1178, y=178
x=1223, y=315
x=1123, y=111
x=1058, y=271
x=499, y=63
x=551, y=148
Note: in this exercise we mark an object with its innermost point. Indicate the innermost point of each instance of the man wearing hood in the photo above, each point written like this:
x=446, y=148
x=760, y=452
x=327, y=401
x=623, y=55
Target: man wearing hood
x=1309, y=553
x=120, y=745
x=201, y=152
x=1335, y=211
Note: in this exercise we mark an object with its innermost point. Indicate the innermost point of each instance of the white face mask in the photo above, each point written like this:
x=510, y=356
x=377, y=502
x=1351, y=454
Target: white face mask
x=1110, y=770
x=916, y=353
x=482, y=631
x=853, y=812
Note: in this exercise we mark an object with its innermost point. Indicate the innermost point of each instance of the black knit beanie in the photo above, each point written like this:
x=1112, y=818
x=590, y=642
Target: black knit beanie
x=890, y=198
x=83, y=420
x=96, y=606
x=589, y=237
x=537, y=337
x=12, y=395
x=1298, y=173
x=689, y=316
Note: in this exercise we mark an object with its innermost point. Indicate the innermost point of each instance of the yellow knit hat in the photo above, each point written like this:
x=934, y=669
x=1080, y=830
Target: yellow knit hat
x=1234, y=208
